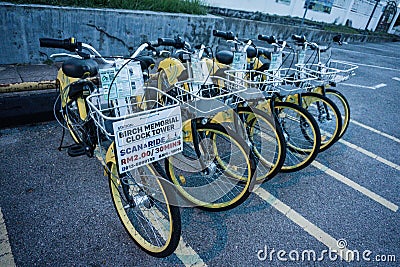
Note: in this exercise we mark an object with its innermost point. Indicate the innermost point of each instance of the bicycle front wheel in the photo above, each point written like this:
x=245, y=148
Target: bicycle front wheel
x=144, y=207
x=217, y=172
x=301, y=133
x=268, y=142
x=326, y=114
x=343, y=105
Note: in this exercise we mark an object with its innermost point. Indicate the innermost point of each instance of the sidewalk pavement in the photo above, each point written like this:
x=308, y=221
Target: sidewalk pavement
x=21, y=102
x=27, y=73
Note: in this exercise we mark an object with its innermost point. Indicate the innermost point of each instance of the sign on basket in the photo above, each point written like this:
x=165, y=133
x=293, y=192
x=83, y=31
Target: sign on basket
x=129, y=81
x=148, y=138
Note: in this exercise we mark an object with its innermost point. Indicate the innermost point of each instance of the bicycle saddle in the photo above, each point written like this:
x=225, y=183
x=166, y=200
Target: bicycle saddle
x=225, y=57
x=251, y=52
x=181, y=55
x=146, y=62
x=80, y=68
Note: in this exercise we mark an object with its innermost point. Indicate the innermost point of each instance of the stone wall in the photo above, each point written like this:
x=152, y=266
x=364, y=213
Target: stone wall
x=119, y=32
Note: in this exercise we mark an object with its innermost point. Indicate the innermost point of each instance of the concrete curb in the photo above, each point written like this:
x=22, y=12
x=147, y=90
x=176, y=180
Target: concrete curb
x=27, y=86
x=27, y=107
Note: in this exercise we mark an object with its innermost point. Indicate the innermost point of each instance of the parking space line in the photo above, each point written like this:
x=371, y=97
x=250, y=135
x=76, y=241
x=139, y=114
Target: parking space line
x=370, y=154
x=358, y=52
x=386, y=203
x=307, y=226
x=187, y=255
x=6, y=256
x=372, y=66
x=364, y=86
x=375, y=131
x=184, y=252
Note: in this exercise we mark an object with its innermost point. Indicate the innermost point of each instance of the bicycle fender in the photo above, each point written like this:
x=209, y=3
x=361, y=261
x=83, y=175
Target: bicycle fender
x=223, y=116
x=173, y=68
x=63, y=81
x=187, y=131
x=110, y=155
x=265, y=106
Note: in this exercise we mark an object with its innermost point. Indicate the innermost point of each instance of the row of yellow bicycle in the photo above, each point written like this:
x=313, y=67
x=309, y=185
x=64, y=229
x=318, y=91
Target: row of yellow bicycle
x=177, y=125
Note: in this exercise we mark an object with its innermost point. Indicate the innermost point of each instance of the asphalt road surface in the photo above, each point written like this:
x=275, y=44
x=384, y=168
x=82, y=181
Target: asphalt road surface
x=58, y=211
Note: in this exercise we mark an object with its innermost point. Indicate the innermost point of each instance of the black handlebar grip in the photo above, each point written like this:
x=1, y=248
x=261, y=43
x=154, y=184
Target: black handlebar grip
x=68, y=44
x=269, y=39
x=166, y=41
x=337, y=39
x=224, y=35
x=298, y=38
x=177, y=42
x=323, y=50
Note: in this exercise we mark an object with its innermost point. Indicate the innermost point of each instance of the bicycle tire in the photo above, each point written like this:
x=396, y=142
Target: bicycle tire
x=268, y=142
x=301, y=149
x=343, y=105
x=326, y=114
x=222, y=178
x=149, y=218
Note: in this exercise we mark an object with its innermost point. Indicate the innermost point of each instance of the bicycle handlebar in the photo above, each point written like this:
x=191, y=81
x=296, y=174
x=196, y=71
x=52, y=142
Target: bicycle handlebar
x=177, y=43
x=298, y=38
x=68, y=44
x=338, y=39
x=229, y=36
x=73, y=46
x=269, y=39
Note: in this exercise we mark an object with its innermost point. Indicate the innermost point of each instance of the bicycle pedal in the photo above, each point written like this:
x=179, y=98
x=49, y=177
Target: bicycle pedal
x=76, y=150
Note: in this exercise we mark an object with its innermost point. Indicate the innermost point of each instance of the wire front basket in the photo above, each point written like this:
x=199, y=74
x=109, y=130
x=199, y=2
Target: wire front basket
x=206, y=98
x=346, y=70
x=105, y=113
x=333, y=72
x=294, y=79
x=258, y=84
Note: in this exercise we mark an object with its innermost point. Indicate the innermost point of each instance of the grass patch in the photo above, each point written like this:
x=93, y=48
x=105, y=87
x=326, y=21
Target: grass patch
x=196, y=7
x=341, y=29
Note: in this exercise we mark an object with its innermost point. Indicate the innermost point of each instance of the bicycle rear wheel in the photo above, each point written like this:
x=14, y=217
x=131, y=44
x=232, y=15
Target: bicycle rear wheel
x=302, y=136
x=144, y=207
x=215, y=174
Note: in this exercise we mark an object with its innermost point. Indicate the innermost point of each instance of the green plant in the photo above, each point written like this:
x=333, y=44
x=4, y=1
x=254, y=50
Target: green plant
x=175, y=6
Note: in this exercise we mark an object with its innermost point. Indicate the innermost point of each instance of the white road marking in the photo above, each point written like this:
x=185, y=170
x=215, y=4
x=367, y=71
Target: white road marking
x=372, y=66
x=396, y=78
x=376, y=131
x=184, y=252
x=386, y=203
x=370, y=154
x=307, y=226
x=380, y=85
x=369, y=54
x=187, y=255
x=364, y=86
x=6, y=256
